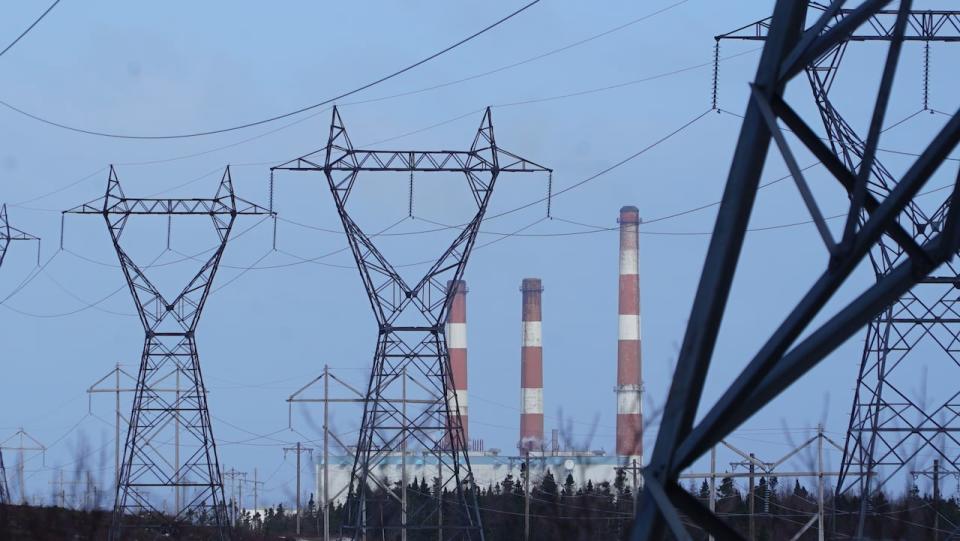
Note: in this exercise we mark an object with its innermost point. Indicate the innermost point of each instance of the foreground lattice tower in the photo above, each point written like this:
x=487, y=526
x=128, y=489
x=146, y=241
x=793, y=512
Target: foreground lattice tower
x=152, y=468
x=818, y=322
x=411, y=339
x=890, y=427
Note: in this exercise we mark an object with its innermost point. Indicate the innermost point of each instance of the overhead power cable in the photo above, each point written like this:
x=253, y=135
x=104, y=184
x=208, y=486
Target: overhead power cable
x=283, y=115
x=29, y=28
x=528, y=101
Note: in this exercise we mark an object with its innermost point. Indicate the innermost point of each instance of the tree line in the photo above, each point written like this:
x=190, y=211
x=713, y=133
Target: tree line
x=559, y=508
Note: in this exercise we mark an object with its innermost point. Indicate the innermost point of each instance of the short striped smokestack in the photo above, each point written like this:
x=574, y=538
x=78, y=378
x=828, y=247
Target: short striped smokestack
x=456, y=331
x=629, y=383
x=531, y=368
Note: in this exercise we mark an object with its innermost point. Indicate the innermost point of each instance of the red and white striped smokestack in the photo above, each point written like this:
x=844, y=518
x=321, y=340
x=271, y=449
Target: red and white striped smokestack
x=629, y=382
x=531, y=368
x=456, y=332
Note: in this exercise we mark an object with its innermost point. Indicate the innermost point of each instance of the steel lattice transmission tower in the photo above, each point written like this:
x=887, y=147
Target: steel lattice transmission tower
x=8, y=234
x=148, y=467
x=4, y=487
x=889, y=426
x=411, y=338
x=880, y=220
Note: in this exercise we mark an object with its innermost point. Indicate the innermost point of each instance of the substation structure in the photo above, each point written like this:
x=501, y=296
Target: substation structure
x=412, y=339
x=883, y=220
x=889, y=427
x=9, y=234
x=147, y=471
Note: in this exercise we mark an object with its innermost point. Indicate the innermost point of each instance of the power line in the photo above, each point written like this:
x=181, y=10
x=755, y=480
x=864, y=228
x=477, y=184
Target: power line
x=529, y=101
x=283, y=115
x=29, y=28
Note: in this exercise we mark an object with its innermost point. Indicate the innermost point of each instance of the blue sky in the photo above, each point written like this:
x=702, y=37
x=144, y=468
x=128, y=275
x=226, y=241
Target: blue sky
x=179, y=67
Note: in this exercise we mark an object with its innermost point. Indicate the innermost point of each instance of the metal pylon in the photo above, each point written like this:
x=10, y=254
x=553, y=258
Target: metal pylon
x=8, y=234
x=797, y=36
x=148, y=472
x=411, y=340
x=890, y=426
x=4, y=487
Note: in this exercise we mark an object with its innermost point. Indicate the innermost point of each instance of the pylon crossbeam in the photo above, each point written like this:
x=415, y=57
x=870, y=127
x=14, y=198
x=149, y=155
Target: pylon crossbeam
x=170, y=348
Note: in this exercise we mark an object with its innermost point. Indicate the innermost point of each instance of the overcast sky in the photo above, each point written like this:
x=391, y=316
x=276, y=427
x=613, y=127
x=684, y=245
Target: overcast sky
x=181, y=67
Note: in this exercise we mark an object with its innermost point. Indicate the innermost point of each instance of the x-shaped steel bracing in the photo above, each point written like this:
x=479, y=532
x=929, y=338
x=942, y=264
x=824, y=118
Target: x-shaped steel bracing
x=874, y=216
x=411, y=337
x=157, y=421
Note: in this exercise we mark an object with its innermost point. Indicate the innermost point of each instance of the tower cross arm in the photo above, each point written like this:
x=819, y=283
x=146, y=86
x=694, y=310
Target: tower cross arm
x=17, y=234
x=922, y=25
x=169, y=206
x=454, y=161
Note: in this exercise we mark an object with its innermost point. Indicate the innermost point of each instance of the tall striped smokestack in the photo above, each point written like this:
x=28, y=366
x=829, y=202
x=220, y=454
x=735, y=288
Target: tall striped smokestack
x=629, y=383
x=531, y=368
x=456, y=332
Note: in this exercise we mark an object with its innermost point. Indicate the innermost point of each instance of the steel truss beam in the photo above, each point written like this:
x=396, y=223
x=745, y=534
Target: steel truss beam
x=170, y=345
x=922, y=25
x=411, y=339
x=874, y=221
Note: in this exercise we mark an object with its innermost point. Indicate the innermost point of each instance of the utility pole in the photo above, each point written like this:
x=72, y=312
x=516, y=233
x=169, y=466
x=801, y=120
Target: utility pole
x=118, y=415
x=635, y=469
x=299, y=449
x=936, y=499
x=403, y=461
x=713, y=483
x=256, y=490
x=89, y=491
x=59, y=492
x=25, y=442
x=326, y=453
x=124, y=382
x=934, y=475
x=820, y=532
x=750, y=504
x=357, y=397
x=237, y=478
x=526, y=496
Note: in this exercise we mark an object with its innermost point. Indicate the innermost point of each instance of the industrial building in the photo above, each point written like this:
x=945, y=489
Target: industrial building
x=492, y=466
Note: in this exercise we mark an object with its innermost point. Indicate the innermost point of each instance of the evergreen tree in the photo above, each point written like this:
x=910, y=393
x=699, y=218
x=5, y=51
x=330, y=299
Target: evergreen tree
x=727, y=489
x=704, y=490
x=508, y=484
x=799, y=490
x=568, y=485
x=548, y=486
